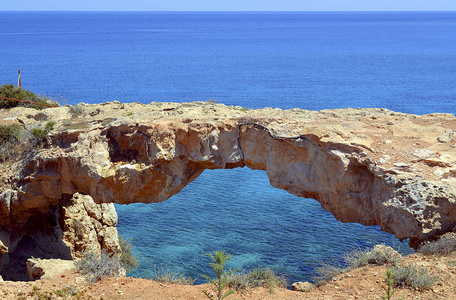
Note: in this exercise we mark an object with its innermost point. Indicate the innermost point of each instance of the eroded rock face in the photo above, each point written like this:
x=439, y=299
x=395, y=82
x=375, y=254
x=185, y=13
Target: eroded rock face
x=88, y=226
x=370, y=166
x=66, y=231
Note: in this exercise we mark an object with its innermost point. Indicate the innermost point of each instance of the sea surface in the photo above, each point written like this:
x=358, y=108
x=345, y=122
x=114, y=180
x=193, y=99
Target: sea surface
x=400, y=61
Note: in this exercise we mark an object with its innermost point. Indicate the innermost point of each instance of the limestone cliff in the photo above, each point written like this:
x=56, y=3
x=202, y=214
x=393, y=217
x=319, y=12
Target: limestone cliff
x=370, y=166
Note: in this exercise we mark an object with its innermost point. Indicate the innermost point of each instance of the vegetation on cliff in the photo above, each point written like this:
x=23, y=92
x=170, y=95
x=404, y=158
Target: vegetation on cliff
x=127, y=258
x=96, y=266
x=402, y=275
x=10, y=133
x=399, y=275
x=15, y=92
x=16, y=140
x=445, y=245
x=220, y=281
x=257, y=277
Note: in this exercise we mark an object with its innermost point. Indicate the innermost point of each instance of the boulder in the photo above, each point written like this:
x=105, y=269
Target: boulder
x=46, y=268
x=302, y=286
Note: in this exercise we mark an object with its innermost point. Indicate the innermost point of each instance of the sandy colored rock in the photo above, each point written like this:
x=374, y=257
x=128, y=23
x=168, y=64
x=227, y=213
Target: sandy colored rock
x=302, y=286
x=47, y=268
x=66, y=231
x=446, y=137
x=88, y=226
x=370, y=166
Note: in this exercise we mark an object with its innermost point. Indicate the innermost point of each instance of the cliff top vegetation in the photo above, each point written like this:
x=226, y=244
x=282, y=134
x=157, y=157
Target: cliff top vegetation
x=11, y=91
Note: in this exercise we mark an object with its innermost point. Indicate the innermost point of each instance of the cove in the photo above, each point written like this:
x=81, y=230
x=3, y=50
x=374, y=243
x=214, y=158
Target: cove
x=238, y=210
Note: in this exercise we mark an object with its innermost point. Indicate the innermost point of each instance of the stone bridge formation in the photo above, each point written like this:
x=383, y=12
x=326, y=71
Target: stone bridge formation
x=370, y=166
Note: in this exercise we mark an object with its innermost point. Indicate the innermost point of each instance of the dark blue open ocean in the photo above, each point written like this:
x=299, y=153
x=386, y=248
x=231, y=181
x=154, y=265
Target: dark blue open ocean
x=400, y=61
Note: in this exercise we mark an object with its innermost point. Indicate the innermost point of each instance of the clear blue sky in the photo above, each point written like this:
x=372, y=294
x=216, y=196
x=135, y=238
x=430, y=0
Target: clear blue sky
x=230, y=5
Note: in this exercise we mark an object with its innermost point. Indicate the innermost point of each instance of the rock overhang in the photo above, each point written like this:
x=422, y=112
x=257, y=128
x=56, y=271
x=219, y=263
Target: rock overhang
x=371, y=166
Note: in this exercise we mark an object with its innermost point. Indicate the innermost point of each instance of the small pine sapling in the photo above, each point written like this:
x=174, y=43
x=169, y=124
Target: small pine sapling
x=219, y=259
x=389, y=283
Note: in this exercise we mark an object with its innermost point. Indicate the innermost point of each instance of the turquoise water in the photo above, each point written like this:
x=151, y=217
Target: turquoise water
x=238, y=211
x=400, y=61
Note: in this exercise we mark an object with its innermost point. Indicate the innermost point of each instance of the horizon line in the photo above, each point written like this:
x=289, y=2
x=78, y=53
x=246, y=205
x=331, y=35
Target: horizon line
x=230, y=11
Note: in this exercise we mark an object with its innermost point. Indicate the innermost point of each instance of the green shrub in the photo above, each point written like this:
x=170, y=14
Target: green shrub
x=240, y=281
x=165, y=275
x=446, y=244
x=325, y=272
x=76, y=111
x=389, y=292
x=39, y=133
x=14, y=141
x=66, y=293
x=127, y=259
x=96, y=266
x=264, y=277
x=10, y=132
x=15, y=92
x=49, y=126
x=412, y=276
x=379, y=255
x=219, y=259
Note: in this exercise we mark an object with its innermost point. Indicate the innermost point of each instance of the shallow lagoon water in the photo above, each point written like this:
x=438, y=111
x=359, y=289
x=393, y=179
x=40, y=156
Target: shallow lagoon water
x=238, y=211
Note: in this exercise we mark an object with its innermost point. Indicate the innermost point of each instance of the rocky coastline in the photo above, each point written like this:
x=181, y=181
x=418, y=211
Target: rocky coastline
x=370, y=166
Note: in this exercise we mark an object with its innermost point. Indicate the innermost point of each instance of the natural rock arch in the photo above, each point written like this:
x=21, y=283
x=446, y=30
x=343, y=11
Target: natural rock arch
x=345, y=159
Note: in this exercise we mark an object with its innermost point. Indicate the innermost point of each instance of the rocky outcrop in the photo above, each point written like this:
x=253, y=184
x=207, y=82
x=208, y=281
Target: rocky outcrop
x=302, y=286
x=47, y=268
x=87, y=226
x=370, y=166
x=66, y=231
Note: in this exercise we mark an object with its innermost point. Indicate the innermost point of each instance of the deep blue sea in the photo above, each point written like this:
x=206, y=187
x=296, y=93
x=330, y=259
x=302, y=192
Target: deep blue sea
x=400, y=61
